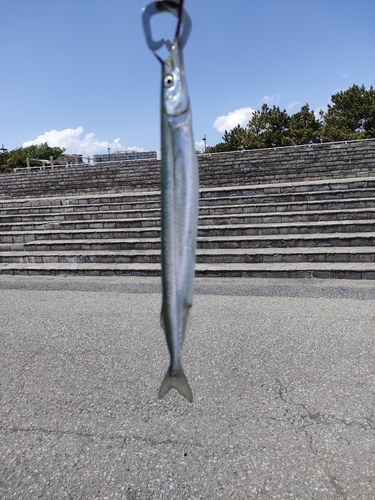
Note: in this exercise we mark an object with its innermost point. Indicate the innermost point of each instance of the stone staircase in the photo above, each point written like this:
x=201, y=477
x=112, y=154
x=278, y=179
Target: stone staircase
x=312, y=228
x=237, y=168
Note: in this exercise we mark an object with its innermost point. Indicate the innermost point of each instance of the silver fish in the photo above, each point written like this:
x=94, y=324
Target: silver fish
x=179, y=213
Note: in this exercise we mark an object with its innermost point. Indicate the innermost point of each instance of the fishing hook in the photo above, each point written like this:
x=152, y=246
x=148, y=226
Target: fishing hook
x=180, y=16
x=183, y=26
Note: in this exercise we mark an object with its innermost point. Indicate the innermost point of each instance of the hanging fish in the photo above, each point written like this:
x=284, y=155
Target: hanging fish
x=179, y=194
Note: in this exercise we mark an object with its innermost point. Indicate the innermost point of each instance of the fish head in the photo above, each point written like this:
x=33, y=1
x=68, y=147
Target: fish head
x=174, y=88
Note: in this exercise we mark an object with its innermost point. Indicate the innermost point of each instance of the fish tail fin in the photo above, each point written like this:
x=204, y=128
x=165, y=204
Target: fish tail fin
x=177, y=379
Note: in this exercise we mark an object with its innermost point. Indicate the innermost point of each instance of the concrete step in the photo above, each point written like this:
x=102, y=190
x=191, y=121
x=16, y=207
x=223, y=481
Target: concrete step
x=222, y=230
x=287, y=217
x=358, y=270
x=248, y=213
x=219, y=242
x=345, y=206
x=326, y=199
x=87, y=205
x=80, y=200
x=295, y=187
x=361, y=186
x=208, y=256
x=287, y=228
x=73, y=225
x=319, y=197
x=321, y=228
x=292, y=206
x=271, y=165
x=207, y=207
x=73, y=216
x=328, y=205
x=114, y=220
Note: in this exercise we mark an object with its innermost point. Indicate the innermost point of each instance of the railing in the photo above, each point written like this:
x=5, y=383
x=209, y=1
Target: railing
x=50, y=165
x=110, y=162
x=296, y=146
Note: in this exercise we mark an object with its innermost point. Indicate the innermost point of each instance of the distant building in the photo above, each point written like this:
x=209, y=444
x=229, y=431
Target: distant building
x=125, y=156
x=64, y=159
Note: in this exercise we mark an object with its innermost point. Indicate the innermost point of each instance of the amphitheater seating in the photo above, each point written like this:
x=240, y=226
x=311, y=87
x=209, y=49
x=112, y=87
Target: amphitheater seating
x=287, y=212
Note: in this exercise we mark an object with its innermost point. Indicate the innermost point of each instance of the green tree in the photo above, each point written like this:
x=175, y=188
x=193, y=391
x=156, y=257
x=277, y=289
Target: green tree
x=3, y=162
x=268, y=128
x=351, y=115
x=234, y=140
x=17, y=157
x=304, y=127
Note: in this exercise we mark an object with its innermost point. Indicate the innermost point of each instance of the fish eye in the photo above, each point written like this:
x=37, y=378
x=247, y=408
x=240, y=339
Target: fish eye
x=168, y=81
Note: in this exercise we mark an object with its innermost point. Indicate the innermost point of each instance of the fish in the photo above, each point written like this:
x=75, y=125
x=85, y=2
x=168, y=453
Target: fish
x=179, y=215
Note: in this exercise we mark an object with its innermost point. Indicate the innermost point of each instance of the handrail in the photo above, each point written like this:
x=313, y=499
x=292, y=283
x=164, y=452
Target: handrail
x=294, y=146
x=52, y=166
x=50, y=163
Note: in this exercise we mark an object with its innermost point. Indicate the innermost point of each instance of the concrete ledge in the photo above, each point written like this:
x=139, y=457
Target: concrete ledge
x=355, y=270
x=301, y=163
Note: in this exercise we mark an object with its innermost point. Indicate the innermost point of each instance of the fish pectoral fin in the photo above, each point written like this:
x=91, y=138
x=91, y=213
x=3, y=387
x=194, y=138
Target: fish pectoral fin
x=176, y=379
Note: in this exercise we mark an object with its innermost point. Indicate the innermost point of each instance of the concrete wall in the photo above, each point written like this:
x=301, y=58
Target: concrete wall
x=289, y=164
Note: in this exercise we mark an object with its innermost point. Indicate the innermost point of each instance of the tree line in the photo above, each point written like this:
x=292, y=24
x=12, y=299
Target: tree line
x=350, y=116
x=16, y=158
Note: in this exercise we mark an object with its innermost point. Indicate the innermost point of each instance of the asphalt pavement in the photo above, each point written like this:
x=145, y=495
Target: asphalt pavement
x=282, y=373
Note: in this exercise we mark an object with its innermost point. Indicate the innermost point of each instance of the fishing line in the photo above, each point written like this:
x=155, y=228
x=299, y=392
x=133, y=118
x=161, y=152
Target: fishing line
x=180, y=16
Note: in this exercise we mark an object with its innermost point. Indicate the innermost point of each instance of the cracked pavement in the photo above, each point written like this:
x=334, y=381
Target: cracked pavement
x=282, y=373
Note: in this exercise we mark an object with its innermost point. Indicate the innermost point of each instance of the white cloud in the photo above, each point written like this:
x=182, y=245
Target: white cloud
x=199, y=145
x=344, y=75
x=271, y=99
x=227, y=122
x=292, y=105
x=76, y=142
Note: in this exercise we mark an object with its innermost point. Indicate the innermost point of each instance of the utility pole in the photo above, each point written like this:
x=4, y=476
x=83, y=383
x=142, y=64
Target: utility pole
x=205, y=143
x=2, y=149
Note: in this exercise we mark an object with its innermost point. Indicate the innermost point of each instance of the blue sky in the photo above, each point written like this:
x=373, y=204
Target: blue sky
x=78, y=73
